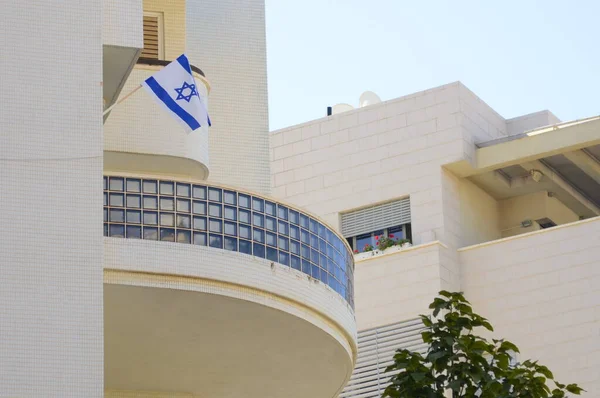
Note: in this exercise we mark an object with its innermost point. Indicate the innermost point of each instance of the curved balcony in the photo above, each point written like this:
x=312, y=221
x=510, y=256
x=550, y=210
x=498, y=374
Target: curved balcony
x=203, y=282
x=140, y=137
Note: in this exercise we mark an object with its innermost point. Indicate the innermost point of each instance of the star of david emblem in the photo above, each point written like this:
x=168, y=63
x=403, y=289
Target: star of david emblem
x=191, y=92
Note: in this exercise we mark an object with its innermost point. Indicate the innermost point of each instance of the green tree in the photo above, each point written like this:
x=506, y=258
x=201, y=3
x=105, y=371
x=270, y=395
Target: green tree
x=459, y=363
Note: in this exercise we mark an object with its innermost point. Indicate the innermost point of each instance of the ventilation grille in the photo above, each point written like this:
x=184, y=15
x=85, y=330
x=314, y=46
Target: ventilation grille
x=151, y=37
x=376, y=217
x=376, y=349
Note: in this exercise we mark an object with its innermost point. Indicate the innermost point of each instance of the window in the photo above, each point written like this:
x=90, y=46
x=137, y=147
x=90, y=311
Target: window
x=153, y=36
x=361, y=242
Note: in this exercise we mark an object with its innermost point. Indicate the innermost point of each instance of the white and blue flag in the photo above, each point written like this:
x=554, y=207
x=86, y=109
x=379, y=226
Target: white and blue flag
x=175, y=89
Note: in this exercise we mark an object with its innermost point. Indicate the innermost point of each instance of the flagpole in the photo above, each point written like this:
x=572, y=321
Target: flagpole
x=110, y=108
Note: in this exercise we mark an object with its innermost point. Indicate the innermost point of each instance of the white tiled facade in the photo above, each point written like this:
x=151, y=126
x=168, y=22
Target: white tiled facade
x=539, y=289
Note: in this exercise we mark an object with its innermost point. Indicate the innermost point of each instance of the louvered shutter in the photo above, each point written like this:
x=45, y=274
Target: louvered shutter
x=376, y=349
x=151, y=37
x=376, y=217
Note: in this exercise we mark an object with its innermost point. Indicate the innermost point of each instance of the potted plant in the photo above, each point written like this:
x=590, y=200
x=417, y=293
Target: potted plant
x=404, y=243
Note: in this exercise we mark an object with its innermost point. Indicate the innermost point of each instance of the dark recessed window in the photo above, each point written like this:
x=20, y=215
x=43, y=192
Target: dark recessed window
x=183, y=190
x=271, y=208
x=230, y=243
x=134, y=201
x=134, y=216
x=244, y=201
x=258, y=204
x=272, y=254
x=199, y=223
x=230, y=213
x=167, y=204
x=183, y=221
x=117, y=215
x=215, y=210
x=184, y=236
x=216, y=241
x=116, y=184
x=150, y=233
x=150, y=217
x=199, y=207
x=150, y=202
x=215, y=194
x=183, y=205
x=200, y=238
x=166, y=188
x=134, y=232
x=244, y=216
x=283, y=212
x=167, y=234
x=245, y=246
x=133, y=185
x=199, y=192
x=150, y=186
x=117, y=230
x=116, y=199
x=230, y=197
x=245, y=231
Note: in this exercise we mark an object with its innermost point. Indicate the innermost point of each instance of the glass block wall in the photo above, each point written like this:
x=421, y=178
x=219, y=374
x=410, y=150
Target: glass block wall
x=225, y=219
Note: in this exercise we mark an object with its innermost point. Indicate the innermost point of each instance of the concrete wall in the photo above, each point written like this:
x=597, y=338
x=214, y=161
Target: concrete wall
x=122, y=21
x=531, y=121
x=226, y=39
x=540, y=290
x=51, y=329
x=480, y=215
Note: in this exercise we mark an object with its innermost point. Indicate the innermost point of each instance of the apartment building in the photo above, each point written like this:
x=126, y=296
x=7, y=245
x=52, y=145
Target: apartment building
x=141, y=261
x=505, y=210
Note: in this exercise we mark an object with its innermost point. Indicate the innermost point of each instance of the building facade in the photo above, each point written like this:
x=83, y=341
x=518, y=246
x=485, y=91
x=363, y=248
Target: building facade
x=504, y=210
x=141, y=261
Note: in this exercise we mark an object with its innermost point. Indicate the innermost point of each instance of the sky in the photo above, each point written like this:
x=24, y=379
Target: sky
x=519, y=56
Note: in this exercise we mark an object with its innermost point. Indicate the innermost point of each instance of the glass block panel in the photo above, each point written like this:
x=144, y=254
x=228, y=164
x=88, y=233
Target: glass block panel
x=324, y=277
x=183, y=205
x=230, y=228
x=150, y=202
x=271, y=224
x=284, y=258
x=167, y=234
x=282, y=212
x=134, y=232
x=183, y=190
x=305, y=251
x=283, y=243
x=271, y=208
x=116, y=230
x=105, y=229
x=272, y=254
x=105, y=199
x=215, y=241
x=258, y=235
x=200, y=238
x=303, y=221
x=184, y=236
x=230, y=197
x=271, y=239
x=116, y=199
x=305, y=236
x=306, y=267
x=244, y=216
x=283, y=227
x=230, y=213
x=322, y=246
x=215, y=210
x=313, y=226
x=167, y=219
x=200, y=223
x=133, y=185
x=215, y=225
x=184, y=221
x=314, y=241
x=105, y=180
x=329, y=251
x=116, y=184
x=258, y=204
x=244, y=200
x=215, y=194
x=199, y=207
x=150, y=218
x=134, y=201
x=105, y=215
x=167, y=188
x=167, y=204
x=323, y=261
x=150, y=186
x=315, y=271
x=245, y=246
x=199, y=192
x=294, y=232
x=259, y=250
x=294, y=217
x=258, y=220
x=329, y=237
x=295, y=247
x=245, y=231
x=134, y=216
x=230, y=243
x=117, y=215
x=314, y=256
x=296, y=263
x=151, y=233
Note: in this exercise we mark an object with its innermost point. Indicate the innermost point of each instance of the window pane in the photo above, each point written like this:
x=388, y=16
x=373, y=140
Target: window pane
x=283, y=227
x=200, y=238
x=395, y=233
x=117, y=231
x=295, y=262
x=306, y=267
x=167, y=204
x=245, y=231
x=199, y=207
x=200, y=223
x=271, y=224
x=230, y=197
x=258, y=204
x=183, y=205
x=362, y=241
x=117, y=215
x=313, y=226
x=184, y=221
x=295, y=247
x=259, y=235
x=303, y=221
x=294, y=217
x=116, y=184
x=134, y=201
x=214, y=194
x=315, y=273
x=167, y=234
x=105, y=229
x=105, y=199
x=322, y=246
x=305, y=236
x=215, y=241
x=134, y=232
x=166, y=188
x=151, y=233
x=215, y=210
x=230, y=243
x=133, y=185
x=271, y=239
x=150, y=186
x=305, y=252
x=258, y=220
x=215, y=225
x=270, y=208
x=167, y=219
x=294, y=232
x=272, y=254
x=199, y=192
x=322, y=233
x=230, y=228
x=105, y=214
x=244, y=201
x=230, y=213
x=150, y=217
x=245, y=246
x=284, y=243
x=116, y=199
x=244, y=216
x=183, y=189
x=314, y=256
x=282, y=212
x=134, y=216
x=284, y=258
x=150, y=202
x=259, y=250
x=184, y=236
x=105, y=180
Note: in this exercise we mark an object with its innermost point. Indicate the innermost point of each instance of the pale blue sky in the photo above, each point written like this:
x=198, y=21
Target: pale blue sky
x=519, y=56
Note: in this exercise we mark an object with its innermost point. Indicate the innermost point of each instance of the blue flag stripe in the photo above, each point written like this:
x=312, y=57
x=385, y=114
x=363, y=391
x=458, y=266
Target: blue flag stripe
x=185, y=63
x=171, y=104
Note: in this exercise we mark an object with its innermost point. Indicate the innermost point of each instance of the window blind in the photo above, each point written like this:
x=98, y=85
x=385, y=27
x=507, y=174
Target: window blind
x=151, y=37
x=376, y=349
x=376, y=217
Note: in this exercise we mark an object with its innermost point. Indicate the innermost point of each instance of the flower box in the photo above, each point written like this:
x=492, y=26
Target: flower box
x=393, y=249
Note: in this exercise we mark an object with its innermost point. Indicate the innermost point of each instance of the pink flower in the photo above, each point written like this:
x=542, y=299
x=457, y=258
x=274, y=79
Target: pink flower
x=391, y=235
x=355, y=251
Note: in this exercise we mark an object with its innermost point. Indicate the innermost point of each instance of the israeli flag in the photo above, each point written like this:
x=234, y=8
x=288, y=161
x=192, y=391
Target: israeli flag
x=174, y=88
